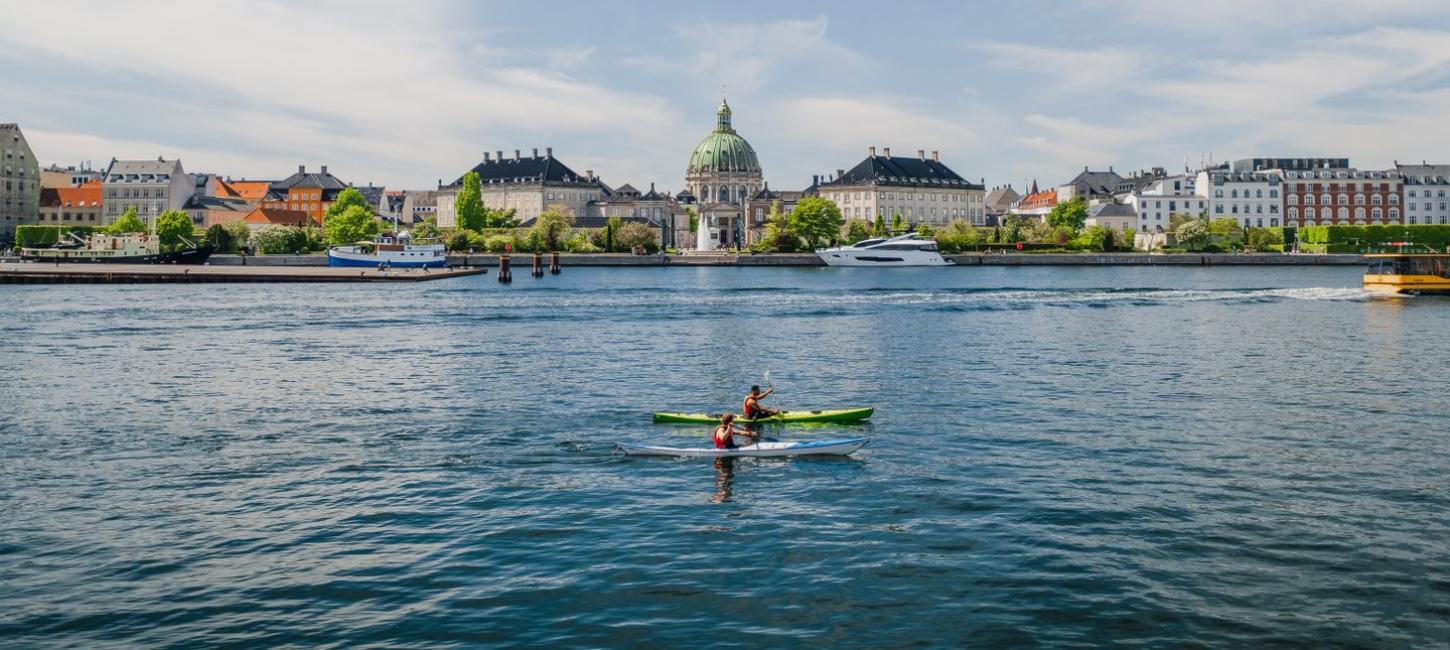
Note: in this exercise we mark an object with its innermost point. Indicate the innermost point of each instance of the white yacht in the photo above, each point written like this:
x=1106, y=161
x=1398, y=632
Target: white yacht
x=905, y=250
x=399, y=251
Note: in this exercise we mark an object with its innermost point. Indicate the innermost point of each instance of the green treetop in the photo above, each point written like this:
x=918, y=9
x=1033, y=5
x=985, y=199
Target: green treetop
x=357, y=223
x=172, y=227
x=898, y=224
x=347, y=198
x=128, y=222
x=878, y=228
x=469, y=204
x=1068, y=214
x=815, y=220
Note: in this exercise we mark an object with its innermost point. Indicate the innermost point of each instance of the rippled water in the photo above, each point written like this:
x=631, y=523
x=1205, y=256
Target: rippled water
x=1070, y=457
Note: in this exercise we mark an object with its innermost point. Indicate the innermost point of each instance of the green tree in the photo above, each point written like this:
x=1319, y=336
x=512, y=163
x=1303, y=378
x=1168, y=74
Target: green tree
x=357, y=223
x=814, y=219
x=274, y=239
x=241, y=234
x=778, y=236
x=1068, y=214
x=634, y=234
x=694, y=219
x=218, y=238
x=878, y=228
x=611, y=227
x=469, y=204
x=551, y=229
x=348, y=198
x=1263, y=239
x=172, y=228
x=128, y=222
x=925, y=230
x=1192, y=235
x=1227, y=230
x=427, y=229
x=502, y=218
x=898, y=224
x=1014, y=230
x=856, y=230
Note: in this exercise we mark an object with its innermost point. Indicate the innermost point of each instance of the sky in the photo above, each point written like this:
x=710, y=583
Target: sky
x=405, y=94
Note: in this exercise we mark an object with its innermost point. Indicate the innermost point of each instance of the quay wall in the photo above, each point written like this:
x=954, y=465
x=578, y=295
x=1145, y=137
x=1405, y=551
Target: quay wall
x=1063, y=259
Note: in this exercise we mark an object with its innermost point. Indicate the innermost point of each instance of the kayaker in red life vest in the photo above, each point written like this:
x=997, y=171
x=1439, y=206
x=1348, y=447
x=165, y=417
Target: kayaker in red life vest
x=753, y=410
x=725, y=433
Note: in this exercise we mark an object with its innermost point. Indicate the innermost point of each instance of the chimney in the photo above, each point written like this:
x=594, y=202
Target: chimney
x=485, y=156
x=548, y=152
x=1110, y=169
x=815, y=179
x=934, y=156
x=536, y=152
x=871, y=151
x=160, y=159
x=589, y=173
x=302, y=169
x=651, y=188
x=921, y=154
x=840, y=173
x=516, y=154
x=324, y=170
x=1084, y=167
x=500, y=155
x=888, y=152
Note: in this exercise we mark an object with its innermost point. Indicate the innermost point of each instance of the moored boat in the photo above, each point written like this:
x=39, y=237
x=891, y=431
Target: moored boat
x=904, y=250
x=125, y=248
x=390, y=250
x=785, y=417
x=1408, y=273
x=838, y=447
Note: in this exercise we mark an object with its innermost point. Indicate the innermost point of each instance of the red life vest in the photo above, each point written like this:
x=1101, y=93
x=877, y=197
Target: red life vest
x=751, y=407
x=726, y=442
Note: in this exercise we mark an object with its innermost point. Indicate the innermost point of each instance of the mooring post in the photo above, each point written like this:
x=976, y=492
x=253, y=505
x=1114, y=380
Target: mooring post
x=554, y=264
x=538, y=270
x=504, y=274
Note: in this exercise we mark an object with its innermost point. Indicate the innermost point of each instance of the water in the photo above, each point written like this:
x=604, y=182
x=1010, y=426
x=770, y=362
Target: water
x=1069, y=457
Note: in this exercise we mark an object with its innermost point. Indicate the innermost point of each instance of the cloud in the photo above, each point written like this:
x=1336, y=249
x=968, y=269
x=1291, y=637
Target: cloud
x=746, y=56
x=284, y=83
x=1062, y=70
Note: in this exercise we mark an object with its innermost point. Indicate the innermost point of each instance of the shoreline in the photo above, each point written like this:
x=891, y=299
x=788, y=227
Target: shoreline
x=524, y=261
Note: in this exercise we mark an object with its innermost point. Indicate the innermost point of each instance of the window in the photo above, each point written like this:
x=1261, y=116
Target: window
x=1308, y=214
x=1376, y=199
x=1294, y=213
x=1273, y=193
x=1376, y=214
x=1218, y=194
x=1344, y=213
x=1395, y=215
x=1359, y=214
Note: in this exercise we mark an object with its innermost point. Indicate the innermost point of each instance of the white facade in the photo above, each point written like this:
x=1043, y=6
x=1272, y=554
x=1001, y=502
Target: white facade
x=932, y=205
x=151, y=187
x=1427, y=200
x=1254, y=199
x=1157, y=202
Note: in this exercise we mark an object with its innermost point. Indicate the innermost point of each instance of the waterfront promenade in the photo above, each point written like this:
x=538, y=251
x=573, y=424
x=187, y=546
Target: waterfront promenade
x=523, y=261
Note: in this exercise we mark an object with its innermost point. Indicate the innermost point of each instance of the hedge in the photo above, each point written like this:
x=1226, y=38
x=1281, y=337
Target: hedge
x=48, y=235
x=1354, y=239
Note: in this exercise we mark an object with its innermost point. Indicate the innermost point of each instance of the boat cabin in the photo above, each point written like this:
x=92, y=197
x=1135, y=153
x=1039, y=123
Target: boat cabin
x=1408, y=273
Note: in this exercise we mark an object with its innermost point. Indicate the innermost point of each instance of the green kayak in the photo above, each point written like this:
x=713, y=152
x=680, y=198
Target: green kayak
x=837, y=415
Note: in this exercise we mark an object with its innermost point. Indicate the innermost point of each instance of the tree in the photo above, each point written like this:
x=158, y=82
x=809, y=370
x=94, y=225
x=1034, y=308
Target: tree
x=218, y=238
x=878, y=228
x=128, y=222
x=427, y=229
x=551, y=229
x=274, y=239
x=241, y=234
x=1014, y=230
x=634, y=234
x=1068, y=214
x=925, y=230
x=1227, y=229
x=897, y=224
x=1262, y=239
x=856, y=230
x=611, y=227
x=172, y=227
x=694, y=219
x=1192, y=235
x=469, y=204
x=815, y=220
x=778, y=236
x=348, y=198
x=357, y=223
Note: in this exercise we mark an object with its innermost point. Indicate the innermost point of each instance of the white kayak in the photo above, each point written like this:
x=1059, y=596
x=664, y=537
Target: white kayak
x=837, y=447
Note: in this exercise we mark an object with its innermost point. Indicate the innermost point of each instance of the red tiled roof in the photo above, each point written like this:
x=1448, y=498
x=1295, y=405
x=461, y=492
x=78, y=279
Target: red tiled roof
x=244, y=190
x=1044, y=199
x=279, y=217
x=85, y=196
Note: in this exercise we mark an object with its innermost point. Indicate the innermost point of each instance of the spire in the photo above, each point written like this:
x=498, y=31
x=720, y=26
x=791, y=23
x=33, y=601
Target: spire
x=1034, y=186
x=722, y=122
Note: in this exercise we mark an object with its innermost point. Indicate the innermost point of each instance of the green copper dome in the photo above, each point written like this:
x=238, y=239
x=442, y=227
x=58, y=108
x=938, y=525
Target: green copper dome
x=723, y=150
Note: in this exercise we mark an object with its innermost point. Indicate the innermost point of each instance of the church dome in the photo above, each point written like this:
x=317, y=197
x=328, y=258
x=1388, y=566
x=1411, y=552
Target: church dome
x=723, y=150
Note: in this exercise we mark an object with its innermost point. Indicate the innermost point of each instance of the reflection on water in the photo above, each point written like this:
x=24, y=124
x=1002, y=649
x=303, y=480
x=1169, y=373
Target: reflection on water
x=724, y=479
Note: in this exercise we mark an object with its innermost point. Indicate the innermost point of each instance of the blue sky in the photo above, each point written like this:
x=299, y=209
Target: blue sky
x=404, y=94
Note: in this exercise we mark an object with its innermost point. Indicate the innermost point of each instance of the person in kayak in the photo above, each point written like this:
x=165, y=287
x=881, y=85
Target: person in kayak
x=753, y=409
x=725, y=433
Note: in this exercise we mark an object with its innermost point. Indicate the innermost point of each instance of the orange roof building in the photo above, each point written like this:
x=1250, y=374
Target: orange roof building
x=277, y=216
x=75, y=205
x=253, y=192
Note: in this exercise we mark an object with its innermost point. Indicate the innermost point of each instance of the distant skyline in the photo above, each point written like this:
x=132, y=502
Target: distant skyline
x=407, y=94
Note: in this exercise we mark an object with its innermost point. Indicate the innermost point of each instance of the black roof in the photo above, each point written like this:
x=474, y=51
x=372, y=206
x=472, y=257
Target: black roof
x=536, y=169
x=323, y=180
x=901, y=170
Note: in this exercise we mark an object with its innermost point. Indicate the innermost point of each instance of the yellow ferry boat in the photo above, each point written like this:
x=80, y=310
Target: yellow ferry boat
x=1408, y=273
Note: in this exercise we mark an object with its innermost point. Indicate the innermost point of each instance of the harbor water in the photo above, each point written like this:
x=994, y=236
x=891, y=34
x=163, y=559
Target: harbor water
x=1061, y=456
